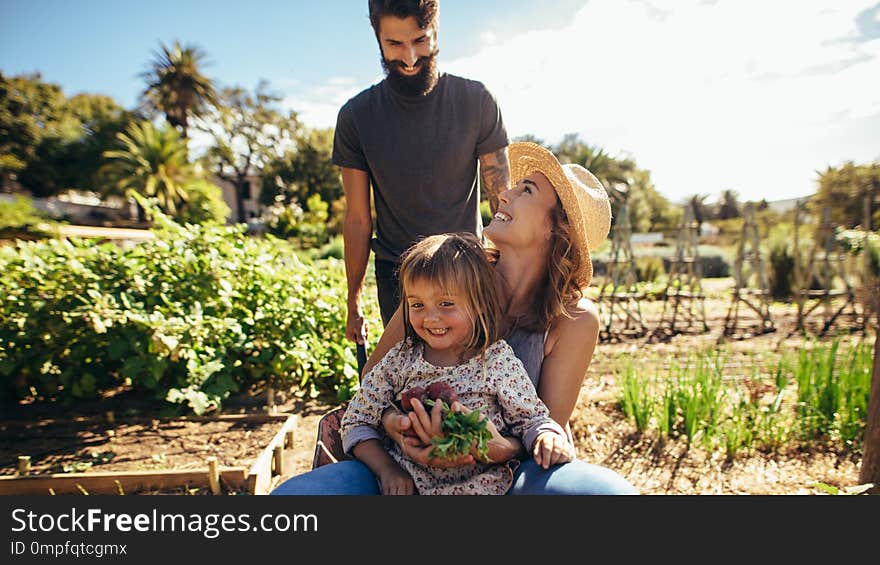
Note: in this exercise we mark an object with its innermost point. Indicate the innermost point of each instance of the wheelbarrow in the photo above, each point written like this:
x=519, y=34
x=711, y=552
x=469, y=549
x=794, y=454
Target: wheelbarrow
x=328, y=446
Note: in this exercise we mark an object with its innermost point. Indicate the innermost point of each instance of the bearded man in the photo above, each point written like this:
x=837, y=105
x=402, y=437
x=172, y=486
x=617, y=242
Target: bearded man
x=418, y=140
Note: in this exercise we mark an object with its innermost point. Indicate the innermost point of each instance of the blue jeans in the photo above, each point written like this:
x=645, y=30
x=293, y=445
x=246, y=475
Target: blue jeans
x=354, y=478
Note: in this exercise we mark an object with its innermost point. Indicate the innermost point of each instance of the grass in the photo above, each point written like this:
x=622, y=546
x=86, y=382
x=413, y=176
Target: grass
x=819, y=395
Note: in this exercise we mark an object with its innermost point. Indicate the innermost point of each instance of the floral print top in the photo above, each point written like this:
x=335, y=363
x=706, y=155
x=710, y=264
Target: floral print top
x=494, y=382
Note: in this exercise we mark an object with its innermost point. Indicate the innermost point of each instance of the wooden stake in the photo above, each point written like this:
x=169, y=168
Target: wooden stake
x=24, y=465
x=213, y=475
x=288, y=439
x=111, y=418
x=278, y=459
x=259, y=477
x=270, y=400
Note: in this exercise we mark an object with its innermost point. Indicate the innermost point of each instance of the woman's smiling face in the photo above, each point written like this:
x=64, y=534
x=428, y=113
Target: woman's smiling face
x=523, y=215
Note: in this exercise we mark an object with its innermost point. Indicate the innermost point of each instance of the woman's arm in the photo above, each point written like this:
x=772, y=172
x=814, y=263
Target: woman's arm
x=567, y=356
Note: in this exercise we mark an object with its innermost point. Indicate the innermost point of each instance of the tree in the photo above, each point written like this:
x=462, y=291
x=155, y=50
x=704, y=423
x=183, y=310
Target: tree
x=615, y=174
x=700, y=208
x=305, y=171
x=33, y=121
x=50, y=143
x=101, y=120
x=844, y=188
x=176, y=86
x=152, y=162
x=73, y=161
x=624, y=180
x=729, y=206
x=249, y=133
x=532, y=139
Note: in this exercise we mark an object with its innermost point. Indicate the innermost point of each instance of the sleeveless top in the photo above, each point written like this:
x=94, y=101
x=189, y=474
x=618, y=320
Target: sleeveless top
x=529, y=347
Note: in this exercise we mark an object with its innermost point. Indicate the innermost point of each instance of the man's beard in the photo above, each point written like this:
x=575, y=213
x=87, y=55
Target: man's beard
x=417, y=85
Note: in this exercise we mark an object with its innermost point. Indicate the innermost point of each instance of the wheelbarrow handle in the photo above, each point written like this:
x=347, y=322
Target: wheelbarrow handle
x=361, y=358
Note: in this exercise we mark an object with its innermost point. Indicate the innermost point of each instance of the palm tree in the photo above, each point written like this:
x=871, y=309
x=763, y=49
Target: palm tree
x=176, y=86
x=615, y=174
x=152, y=162
x=699, y=206
x=729, y=206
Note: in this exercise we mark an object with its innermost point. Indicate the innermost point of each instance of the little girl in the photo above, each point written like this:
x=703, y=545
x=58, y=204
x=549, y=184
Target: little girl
x=452, y=321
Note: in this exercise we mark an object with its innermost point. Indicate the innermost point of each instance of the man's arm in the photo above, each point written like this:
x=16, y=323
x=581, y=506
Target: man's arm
x=495, y=173
x=356, y=231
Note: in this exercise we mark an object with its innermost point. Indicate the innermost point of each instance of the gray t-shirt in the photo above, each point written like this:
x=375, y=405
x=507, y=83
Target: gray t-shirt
x=421, y=155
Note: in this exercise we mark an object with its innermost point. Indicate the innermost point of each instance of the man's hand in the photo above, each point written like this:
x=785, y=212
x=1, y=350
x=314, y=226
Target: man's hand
x=355, y=329
x=357, y=228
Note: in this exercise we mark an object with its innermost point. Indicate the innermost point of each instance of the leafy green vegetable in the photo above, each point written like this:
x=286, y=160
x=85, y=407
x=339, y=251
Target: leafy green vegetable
x=461, y=432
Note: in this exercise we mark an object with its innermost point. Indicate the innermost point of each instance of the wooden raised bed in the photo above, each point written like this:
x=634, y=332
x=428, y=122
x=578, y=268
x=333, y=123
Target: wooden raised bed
x=267, y=467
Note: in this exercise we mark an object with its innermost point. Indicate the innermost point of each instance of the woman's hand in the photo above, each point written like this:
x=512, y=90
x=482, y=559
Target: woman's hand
x=429, y=424
x=551, y=448
x=499, y=448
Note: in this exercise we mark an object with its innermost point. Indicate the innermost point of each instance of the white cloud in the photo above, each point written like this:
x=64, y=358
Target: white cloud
x=740, y=94
x=317, y=106
x=488, y=38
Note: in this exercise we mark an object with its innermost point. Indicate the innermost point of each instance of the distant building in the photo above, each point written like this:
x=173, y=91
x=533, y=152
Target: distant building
x=783, y=206
x=84, y=208
x=646, y=238
x=252, y=187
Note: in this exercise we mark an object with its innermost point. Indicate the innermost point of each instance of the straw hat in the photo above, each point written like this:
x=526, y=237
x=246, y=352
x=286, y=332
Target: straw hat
x=583, y=198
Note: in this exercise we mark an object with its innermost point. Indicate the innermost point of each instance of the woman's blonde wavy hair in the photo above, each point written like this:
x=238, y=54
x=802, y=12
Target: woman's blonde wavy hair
x=559, y=292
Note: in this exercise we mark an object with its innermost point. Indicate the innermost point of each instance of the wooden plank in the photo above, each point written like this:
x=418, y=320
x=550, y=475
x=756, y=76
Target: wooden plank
x=259, y=479
x=245, y=418
x=129, y=234
x=106, y=482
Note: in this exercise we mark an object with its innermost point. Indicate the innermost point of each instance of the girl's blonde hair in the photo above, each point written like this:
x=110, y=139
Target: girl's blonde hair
x=458, y=264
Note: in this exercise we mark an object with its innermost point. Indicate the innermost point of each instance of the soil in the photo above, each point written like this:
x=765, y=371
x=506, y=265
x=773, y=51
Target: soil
x=58, y=440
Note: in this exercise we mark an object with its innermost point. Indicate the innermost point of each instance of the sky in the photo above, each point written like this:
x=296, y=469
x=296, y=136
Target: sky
x=750, y=95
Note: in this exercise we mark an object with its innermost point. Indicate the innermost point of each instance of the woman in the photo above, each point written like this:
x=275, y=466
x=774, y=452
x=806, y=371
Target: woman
x=542, y=233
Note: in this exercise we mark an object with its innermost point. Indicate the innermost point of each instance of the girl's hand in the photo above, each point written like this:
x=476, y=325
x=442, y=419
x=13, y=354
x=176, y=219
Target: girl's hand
x=397, y=426
x=427, y=425
x=551, y=448
x=394, y=480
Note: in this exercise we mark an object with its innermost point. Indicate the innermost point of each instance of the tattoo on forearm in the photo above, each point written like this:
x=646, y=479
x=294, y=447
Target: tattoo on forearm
x=496, y=174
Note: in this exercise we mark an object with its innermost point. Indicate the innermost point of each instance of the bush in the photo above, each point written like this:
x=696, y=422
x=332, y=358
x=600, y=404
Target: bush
x=853, y=241
x=191, y=316
x=204, y=204
x=649, y=268
x=781, y=261
x=291, y=221
x=21, y=217
x=712, y=266
x=334, y=248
